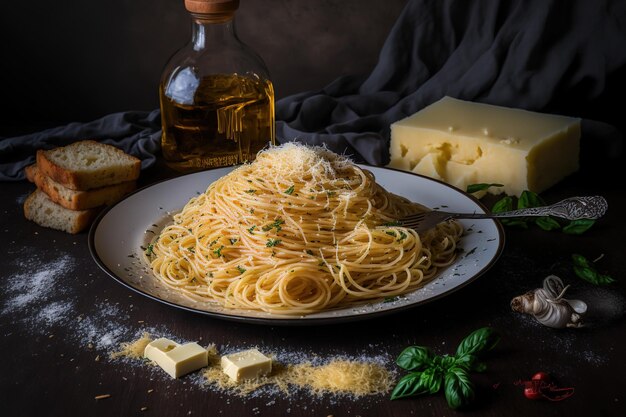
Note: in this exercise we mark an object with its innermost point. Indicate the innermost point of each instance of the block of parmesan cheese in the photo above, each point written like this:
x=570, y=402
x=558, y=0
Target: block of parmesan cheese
x=464, y=143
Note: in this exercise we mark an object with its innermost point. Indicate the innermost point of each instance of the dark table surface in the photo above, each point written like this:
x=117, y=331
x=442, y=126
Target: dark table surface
x=61, y=316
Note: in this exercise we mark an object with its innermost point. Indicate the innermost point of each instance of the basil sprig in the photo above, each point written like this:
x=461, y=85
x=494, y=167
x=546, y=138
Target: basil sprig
x=587, y=271
x=429, y=372
x=528, y=199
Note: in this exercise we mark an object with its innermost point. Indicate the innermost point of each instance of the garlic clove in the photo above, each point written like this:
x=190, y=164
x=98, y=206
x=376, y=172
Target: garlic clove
x=577, y=305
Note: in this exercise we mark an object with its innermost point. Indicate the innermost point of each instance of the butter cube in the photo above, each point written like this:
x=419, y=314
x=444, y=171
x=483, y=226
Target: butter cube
x=462, y=143
x=176, y=359
x=249, y=364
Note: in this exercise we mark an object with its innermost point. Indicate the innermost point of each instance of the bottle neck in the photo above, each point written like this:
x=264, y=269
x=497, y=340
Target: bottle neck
x=205, y=32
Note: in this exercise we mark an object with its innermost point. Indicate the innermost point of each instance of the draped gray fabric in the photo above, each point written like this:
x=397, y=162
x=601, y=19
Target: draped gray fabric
x=524, y=53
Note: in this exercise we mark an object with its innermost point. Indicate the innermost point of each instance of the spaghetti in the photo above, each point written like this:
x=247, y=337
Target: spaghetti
x=300, y=230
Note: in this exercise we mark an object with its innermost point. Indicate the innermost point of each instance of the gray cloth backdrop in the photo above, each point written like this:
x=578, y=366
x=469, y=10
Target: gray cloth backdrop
x=522, y=54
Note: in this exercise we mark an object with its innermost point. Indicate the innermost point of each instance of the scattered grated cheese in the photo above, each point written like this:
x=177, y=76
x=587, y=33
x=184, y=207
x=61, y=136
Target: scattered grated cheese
x=133, y=349
x=338, y=376
x=341, y=376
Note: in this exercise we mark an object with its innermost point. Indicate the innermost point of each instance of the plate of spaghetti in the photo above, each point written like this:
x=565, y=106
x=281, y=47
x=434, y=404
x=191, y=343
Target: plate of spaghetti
x=299, y=236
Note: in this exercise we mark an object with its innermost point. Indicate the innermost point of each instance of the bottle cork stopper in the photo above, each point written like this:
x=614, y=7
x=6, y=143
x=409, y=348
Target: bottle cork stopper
x=212, y=7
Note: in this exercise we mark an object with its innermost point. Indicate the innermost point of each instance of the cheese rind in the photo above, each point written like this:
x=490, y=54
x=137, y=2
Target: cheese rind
x=176, y=359
x=249, y=364
x=461, y=143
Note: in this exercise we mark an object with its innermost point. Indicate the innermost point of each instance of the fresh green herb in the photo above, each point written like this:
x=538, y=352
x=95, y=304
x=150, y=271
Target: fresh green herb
x=577, y=227
x=402, y=236
x=506, y=204
x=290, y=190
x=390, y=299
x=330, y=193
x=218, y=251
x=547, y=223
x=150, y=250
x=587, y=271
x=459, y=390
x=275, y=224
x=391, y=233
x=251, y=191
x=241, y=269
x=192, y=250
x=393, y=223
x=309, y=252
x=272, y=242
x=233, y=240
x=429, y=372
x=251, y=229
x=472, y=188
x=528, y=199
x=251, y=211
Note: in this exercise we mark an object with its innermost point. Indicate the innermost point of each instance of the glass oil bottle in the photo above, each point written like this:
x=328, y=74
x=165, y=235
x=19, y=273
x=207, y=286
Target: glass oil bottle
x=217, y=100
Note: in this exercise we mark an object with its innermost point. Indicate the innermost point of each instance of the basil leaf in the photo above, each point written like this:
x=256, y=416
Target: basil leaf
x=592, y=276
x=580, y=260
x=585, y=270
x=447, y=362
x=529, y=199
x=505, y=204
x=432, y=379
x=577, y=227
x=459, y=390
x=414, y=358
x=605, y=279
x=408, y=385
x=515, y=222
x=547, y=223
x=479, y=341
x=470, y=363
x=472, y=188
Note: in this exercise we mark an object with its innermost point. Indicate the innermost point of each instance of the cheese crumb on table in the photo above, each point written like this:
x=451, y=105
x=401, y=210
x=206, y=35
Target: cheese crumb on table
x=462, y=143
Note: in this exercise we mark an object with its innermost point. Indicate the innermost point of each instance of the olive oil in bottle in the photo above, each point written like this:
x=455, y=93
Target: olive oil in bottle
x=217, y=101
x=230, y=120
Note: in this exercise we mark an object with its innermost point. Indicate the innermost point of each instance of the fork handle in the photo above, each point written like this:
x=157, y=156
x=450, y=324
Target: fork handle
x=574, y=208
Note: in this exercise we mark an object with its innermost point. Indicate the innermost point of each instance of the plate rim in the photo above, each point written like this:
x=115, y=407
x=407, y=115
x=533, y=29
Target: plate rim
x=293, y=321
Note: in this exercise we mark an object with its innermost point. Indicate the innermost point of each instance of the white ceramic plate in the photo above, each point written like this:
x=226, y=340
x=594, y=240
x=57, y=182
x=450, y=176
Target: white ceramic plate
x=117, y=236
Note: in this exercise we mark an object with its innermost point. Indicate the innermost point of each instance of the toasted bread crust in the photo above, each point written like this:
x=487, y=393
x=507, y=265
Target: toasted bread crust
x=82, y=180
x=80, y=200
x=30, y=172
x=43, y=211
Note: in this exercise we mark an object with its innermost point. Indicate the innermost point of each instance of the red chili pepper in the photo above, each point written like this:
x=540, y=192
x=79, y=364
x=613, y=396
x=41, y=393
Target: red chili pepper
x=532, y=394
x=541, y=376
x=540, y=387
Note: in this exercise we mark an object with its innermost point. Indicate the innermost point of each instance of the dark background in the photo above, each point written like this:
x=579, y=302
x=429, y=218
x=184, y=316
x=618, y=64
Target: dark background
x=67, y=60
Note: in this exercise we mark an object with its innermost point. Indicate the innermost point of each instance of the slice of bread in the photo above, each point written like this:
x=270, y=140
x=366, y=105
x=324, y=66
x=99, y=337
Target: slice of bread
x=78, y=200
x=30, y=172
x=43, y=211
x=87, y=164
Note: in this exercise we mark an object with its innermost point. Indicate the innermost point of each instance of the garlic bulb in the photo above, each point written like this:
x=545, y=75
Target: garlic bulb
x=549, y=307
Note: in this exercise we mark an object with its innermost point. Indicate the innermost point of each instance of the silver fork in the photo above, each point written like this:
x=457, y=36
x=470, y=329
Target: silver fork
x=574, y=208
